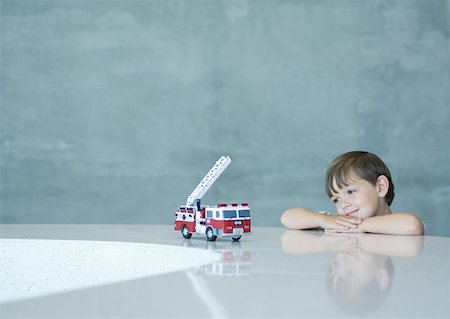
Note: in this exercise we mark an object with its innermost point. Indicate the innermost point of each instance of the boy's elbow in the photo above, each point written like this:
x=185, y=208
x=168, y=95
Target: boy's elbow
x=287, y=218
x=415, y=226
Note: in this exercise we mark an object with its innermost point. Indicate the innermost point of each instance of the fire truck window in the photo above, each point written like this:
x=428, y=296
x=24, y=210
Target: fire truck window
x=229, y=214
x=244, y=213
x=217, y=214
x=209, y=214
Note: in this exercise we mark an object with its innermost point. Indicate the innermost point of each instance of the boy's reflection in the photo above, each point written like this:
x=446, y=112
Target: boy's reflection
x=359, y=281
x=360, y=276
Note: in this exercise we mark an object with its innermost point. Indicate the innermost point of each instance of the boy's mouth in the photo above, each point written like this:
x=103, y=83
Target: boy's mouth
x=352, y=212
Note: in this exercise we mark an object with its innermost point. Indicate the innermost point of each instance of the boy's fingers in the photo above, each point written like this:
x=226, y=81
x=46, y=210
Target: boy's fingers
x=341, y=225
x=348, y=223
x=354, y=221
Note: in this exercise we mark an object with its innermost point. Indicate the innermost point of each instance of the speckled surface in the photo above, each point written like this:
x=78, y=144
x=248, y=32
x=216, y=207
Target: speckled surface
x=273, y=273
x=34, y=268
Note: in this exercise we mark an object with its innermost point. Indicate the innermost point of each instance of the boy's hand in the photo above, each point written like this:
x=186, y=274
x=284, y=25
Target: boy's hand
x=341, y=223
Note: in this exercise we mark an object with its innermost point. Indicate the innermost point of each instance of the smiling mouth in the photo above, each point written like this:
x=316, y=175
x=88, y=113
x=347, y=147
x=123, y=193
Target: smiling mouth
x=351, y=213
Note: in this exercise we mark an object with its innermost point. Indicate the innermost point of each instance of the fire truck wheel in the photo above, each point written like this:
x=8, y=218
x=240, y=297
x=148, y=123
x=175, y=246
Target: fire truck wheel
x=185, y=232
x=236, y=238
x=210, y=234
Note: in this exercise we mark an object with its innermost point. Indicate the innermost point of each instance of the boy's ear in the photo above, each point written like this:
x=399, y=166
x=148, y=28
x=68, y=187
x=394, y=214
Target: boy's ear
x=382, y=185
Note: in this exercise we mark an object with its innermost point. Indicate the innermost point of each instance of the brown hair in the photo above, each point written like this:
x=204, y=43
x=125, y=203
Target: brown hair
x=364, y=165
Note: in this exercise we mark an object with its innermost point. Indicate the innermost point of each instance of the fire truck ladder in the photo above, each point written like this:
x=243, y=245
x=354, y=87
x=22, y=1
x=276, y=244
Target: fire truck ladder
x=208, y=180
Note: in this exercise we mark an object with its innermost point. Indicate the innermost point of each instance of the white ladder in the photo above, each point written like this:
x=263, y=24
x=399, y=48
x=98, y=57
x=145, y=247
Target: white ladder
x=208, y=180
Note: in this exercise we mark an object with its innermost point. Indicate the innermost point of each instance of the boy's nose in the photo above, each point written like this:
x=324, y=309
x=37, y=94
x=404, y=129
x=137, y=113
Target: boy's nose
x=344, y=204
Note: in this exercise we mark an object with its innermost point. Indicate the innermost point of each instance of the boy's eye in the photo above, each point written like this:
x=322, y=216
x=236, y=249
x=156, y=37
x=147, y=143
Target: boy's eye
x=351, y=191
x=335, y=200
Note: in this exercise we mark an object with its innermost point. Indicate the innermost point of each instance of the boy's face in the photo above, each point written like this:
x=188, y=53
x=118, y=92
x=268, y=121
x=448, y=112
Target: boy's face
x=355, y=271
x=359, y=199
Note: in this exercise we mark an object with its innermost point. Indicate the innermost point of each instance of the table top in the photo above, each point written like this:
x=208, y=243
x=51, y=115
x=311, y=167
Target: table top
x=153, y=272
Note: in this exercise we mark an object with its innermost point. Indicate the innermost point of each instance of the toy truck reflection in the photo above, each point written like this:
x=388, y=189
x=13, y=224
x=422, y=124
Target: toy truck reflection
x=225, y=220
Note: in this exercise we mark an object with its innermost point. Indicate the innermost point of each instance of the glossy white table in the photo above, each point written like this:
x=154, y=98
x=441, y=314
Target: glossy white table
x=122, y=271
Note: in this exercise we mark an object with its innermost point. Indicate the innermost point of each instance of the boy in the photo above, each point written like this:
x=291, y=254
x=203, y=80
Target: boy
x=360, y=185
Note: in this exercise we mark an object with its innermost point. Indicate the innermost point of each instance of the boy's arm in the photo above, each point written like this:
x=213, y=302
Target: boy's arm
x=302, y=218
x=393, y=224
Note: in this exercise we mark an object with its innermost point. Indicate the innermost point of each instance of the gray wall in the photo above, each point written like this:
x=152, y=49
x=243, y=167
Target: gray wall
x=112, y=111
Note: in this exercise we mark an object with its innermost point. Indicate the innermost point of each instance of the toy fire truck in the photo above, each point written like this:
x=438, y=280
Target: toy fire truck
x=225, y=220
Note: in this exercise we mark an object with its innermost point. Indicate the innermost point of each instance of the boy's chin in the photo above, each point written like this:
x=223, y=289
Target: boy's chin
x=363, y=215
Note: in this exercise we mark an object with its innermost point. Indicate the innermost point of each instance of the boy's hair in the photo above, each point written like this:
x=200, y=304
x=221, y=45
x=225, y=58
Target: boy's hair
x=364, y=165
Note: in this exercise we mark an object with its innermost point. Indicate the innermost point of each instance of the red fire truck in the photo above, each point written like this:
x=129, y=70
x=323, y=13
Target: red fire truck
x=225, y=220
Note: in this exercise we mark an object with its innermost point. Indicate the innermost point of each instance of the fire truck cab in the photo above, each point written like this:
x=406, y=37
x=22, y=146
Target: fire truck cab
x=225, y=220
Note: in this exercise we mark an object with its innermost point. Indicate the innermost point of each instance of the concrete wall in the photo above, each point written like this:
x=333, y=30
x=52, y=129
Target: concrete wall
x=113, y=111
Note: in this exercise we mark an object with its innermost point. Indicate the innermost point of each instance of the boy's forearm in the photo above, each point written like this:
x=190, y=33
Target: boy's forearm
x=301, y=218
x=394, y=224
